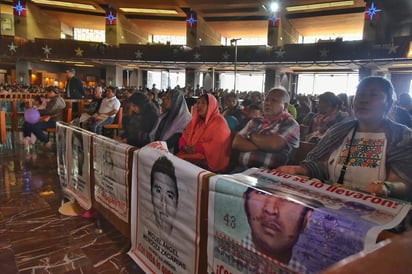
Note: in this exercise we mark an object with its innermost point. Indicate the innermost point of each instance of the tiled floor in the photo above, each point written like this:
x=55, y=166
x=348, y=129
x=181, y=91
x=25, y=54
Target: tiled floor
x=34, y=236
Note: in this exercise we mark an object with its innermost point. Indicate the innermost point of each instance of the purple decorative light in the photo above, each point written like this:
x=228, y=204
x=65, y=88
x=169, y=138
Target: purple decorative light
x=111, y=18
x=19, y=8
x=372, y=11
x=274, y=19
x=191, y=20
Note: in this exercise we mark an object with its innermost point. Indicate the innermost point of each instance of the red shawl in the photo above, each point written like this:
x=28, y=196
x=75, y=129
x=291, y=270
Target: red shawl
x=212, y=135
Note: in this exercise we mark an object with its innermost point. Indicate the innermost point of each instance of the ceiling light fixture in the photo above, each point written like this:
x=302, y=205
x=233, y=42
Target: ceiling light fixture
x=65, y=4
x=320, y=6
x=274, y=7
x=151, y=11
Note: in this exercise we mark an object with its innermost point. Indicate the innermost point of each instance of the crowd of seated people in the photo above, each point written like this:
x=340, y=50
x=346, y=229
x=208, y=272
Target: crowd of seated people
x=360, y=141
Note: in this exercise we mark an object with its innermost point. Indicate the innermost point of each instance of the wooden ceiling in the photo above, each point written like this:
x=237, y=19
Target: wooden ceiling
x=230, y=18
x=240, y=18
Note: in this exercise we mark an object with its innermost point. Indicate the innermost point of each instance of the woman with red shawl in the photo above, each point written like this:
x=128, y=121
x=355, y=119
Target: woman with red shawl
x=206, y=140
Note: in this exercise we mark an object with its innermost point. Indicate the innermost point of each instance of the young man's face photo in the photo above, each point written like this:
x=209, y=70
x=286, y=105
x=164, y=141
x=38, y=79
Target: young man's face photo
x=78, y=155
x=275, y=222
x=164, y=199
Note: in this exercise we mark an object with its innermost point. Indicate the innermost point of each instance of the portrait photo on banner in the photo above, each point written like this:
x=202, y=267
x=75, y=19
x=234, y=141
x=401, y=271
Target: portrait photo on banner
x=257, y=220
x=61, y=147
x=292, y=221
x=111, y=171
x=168, y=199
x=78, y=159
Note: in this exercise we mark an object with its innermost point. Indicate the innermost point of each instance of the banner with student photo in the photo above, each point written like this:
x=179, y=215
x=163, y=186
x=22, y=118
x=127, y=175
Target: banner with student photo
x=166, y=201
x=269, y=222
x=230, y=248
x=61, y=148
x=111, y=173
x=78, y=165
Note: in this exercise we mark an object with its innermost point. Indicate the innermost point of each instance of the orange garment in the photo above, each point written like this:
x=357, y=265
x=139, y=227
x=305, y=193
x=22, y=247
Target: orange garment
x=211, y=137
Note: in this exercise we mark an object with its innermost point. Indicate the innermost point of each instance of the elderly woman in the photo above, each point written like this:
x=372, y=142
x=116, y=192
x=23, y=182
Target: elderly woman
x=172, y=121
x=206, y=141
x=371, y=153
x=328, y=114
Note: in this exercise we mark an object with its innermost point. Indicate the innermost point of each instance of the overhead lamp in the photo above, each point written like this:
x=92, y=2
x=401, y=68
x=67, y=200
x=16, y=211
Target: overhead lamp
x=83, y=65
x=402, y=65
x=151, y=11
x=65, y=4
x=274, y=7
x=320, y=5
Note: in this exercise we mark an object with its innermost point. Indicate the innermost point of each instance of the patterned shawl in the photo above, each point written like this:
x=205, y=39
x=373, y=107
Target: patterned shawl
x=398, y=151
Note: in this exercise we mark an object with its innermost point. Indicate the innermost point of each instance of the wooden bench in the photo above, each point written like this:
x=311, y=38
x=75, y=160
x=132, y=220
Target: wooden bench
x=299, y=154
x=117, y=124
x=67, y=118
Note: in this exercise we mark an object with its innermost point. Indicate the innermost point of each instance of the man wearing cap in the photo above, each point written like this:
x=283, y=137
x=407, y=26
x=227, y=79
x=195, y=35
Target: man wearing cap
x=74, y=86
x=53, y=112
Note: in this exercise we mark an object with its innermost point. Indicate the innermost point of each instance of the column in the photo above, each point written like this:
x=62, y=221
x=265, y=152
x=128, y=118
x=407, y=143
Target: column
x=376, y=22
x=190, y=78
x=114, y=76
x=20, y=19
x=274, y=30
x=111, y=26
x=134, y=78
x=272, y=79
x=23, y=69
x=199, y=33
x=364, y=72
x=191, y=29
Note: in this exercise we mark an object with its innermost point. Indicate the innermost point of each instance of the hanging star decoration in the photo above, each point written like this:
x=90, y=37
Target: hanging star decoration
x=12, y=48
x=111, y=18
x=79, y=52
x=393, y=48
x=225, y=56
x=280, y=52
x=191, y=20
x=274, y=20
x=196, y=56
x=138, y=54
x=324, y=53
x=46, y=50
x=19, y=8
x=372, y=11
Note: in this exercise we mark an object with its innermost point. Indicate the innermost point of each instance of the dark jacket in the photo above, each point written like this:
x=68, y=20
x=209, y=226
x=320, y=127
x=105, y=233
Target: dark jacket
x=74, y=88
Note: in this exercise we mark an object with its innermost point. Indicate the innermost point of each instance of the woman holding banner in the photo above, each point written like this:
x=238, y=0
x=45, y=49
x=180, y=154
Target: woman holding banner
x=371, y=153
x=206, y=141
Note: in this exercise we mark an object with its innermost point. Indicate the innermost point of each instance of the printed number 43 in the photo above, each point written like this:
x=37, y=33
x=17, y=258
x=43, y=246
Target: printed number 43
x=230, y=220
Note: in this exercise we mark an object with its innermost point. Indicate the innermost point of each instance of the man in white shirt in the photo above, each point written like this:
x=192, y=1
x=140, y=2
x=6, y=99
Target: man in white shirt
x=106, y=114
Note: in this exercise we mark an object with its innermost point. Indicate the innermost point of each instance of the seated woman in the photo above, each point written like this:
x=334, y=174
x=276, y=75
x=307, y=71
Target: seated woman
x=142, y=118
x=328, y=114
x=234, y=109
x=206, y=140
x=52, y=113
x=371, y=153
x=172, y=121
